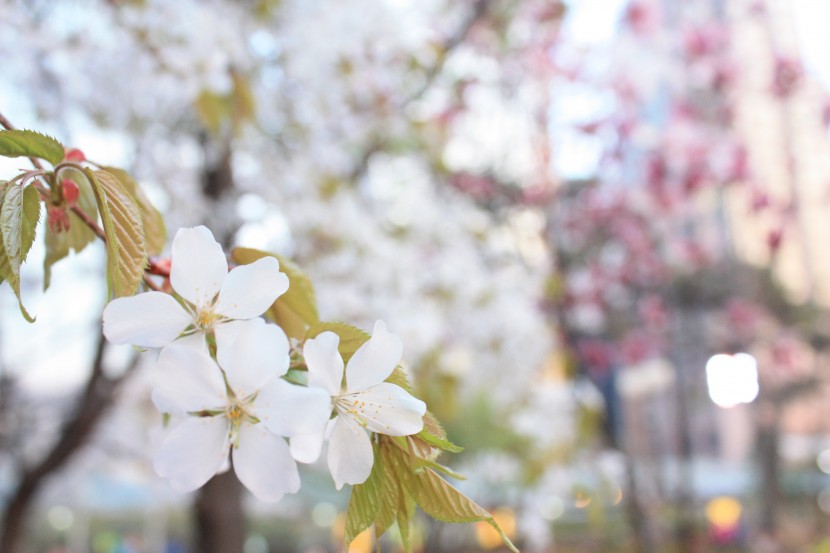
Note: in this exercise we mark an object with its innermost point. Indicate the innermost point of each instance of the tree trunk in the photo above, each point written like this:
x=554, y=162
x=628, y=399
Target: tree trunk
x=220, y=519
x=97, y=397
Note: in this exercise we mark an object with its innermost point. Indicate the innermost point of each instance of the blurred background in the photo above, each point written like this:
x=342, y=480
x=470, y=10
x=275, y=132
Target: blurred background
x=597, y=226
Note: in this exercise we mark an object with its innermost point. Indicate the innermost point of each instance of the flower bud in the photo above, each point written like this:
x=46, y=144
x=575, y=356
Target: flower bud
x=74, y=154
x=70, y=192
x=57, y=218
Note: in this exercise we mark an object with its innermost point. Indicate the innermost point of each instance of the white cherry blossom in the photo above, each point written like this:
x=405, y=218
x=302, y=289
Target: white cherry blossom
x=211, y=295
x=364, y=402
x=244, y=408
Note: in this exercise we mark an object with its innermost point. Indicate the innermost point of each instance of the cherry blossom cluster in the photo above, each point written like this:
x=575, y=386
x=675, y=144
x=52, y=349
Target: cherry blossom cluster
x=220, y=373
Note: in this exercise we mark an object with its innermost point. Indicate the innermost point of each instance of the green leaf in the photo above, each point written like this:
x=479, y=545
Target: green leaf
x=406, y=512
x=126, y=247
x=15, y=143
x=399, y=378
x=295, y=310
x=58, y=245
x=439, y=499
x=364, y=502
x=19, y=214
x=390, y=495
x=351, y=337
x=155, y=231
x=433, y=433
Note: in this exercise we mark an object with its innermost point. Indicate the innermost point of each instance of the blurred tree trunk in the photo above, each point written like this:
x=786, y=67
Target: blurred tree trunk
x=98, y=395
x=220, y=520
x=768, y=438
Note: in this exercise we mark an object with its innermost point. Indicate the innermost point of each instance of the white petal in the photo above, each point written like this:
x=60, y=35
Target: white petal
x=150, y=320
x=375, y=360
x=227, y=332
x=306, y=448
x=195, y=341
x=198, y=265
x=188, y=379
x=350, y=455
x=255, y=357
x=386, y=408
x=193, y=452
x=264, y=464
x=249, y=290
x=290, y=410
x=325, y=365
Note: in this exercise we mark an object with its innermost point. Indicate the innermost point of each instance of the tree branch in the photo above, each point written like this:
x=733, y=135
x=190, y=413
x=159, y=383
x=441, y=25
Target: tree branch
x=97, y=397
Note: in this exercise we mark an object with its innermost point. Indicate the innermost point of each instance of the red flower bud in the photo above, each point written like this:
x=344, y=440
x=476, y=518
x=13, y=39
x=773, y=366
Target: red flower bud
x=74, y=154
x=58, y=219
x=70, y=192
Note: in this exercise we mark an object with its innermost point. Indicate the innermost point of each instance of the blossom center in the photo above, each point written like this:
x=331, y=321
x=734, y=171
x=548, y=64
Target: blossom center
x=352, y=406
x=235, y=413
x=205, y=318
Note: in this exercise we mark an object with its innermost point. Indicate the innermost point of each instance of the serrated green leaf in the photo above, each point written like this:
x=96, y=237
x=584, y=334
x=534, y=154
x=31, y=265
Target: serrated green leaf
x=351, y=337
x=434, y=434
x=399, y=378
x=439, y=499
x=364, y=502
x=121, y=219
x=58, y=245
x=155, y=231
x=19, y=214
x=18, y=218
x=17, y=143
x=406, y=512
x=390, y=497
x=295, y=310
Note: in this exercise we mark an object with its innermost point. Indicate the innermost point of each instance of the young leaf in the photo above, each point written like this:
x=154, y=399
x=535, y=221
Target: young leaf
x=434, y=434
x=439, y=499
x=295, y=310
x=364, y=503
x=59, y=244
x=351, y=337
x=16, y=143
x=155, y=231
x=406, y=512
x=126, y=247
x=390, y=495
x=18, y=218
x=19, y=214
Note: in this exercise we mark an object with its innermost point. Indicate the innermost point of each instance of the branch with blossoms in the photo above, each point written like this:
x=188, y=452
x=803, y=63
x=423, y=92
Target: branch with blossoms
x=247, y=372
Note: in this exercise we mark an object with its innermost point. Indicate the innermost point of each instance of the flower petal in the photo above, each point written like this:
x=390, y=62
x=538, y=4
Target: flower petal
x=350, y=455
x=375, y=360
x=249, y=290
x=257, y=355
x=198, y=265
x=289, y=410
x=150, y=320
x=263, y=463
x=325, y=365
x=387, y=409
x=227, y=332
x=306, y=448
x=193, y=452
x=188, y=379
